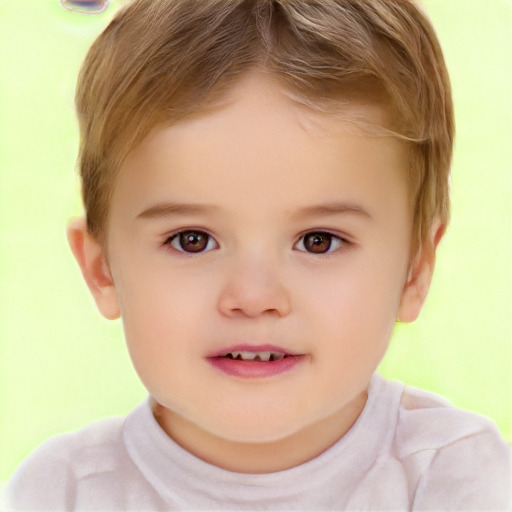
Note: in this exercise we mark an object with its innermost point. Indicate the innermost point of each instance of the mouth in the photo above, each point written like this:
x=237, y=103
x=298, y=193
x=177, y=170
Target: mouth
x=255, y=361
x=257, y=357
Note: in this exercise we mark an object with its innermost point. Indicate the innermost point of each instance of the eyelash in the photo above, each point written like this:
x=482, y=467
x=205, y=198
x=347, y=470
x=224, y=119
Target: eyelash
x=340, y=242
x=169, y=241
x=178, y=238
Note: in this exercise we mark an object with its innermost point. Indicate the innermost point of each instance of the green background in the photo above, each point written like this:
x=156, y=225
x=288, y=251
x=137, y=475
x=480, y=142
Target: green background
x=62, y=365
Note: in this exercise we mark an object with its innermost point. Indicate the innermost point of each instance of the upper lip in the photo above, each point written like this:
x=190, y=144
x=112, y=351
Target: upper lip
x=246, y=347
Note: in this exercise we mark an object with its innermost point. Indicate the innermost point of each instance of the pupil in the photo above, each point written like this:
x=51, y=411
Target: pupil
x=318, y=242
x=192, y=241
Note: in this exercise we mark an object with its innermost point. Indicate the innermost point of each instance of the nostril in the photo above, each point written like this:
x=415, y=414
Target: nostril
x=247, y=293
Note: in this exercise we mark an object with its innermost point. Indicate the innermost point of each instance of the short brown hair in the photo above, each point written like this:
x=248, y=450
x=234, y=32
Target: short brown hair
x=161, y=60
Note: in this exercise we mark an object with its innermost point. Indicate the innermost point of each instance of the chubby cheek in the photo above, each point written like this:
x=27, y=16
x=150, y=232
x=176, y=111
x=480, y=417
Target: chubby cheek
x=163, y=320
x=356, y=314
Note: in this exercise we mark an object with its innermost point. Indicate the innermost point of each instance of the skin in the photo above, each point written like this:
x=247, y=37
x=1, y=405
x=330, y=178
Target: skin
x=258, y=176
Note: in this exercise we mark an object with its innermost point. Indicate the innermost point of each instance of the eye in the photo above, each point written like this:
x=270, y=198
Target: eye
x=191, y=241
x=319, y=242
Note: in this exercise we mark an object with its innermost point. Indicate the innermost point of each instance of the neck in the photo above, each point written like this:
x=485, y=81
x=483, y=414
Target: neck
x=254, y=458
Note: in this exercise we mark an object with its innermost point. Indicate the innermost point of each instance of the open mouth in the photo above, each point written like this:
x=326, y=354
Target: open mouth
x=257, y=357
x=255, y=361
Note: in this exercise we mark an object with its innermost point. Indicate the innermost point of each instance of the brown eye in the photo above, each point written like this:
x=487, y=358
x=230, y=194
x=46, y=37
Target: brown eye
x=319, y=242
x=192, y=241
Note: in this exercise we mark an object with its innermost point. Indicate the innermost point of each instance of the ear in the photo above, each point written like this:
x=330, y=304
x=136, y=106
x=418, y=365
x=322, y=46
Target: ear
x=92, y=261
x=419, y=278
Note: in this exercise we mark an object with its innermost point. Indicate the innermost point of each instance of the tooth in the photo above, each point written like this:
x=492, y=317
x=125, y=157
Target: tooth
x=250, y=356
x=255, y=356
x=264, y=356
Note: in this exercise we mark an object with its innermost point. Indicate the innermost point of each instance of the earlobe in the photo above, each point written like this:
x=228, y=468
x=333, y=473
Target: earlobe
x=91, y=259
x=419, y=278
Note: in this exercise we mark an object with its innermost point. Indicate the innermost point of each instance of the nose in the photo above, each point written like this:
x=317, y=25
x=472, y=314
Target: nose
x=252, y=289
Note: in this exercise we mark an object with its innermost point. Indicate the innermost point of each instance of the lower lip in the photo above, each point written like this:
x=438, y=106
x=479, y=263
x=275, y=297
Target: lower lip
x=255, y=369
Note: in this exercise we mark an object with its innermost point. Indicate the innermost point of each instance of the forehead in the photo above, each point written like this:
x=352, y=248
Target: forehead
x=263, y=143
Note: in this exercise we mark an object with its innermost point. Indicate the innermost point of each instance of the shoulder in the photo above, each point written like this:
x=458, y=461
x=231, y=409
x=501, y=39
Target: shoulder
x=47, y=478
x=458, y=459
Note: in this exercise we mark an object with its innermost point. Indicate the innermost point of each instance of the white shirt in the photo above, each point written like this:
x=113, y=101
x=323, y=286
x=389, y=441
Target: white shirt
x=408, y=450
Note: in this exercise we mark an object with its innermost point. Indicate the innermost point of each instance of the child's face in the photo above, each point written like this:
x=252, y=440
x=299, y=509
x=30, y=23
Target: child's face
x=254, y=229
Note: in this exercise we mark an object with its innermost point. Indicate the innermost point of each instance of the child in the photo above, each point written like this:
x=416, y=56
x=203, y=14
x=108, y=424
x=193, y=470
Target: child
x=265, y=184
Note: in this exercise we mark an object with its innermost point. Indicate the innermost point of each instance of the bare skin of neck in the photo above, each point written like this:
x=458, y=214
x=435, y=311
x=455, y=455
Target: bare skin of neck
x=256, y=458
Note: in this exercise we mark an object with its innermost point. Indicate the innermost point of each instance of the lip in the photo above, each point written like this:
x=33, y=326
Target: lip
x=246, y=347
x=254, y=369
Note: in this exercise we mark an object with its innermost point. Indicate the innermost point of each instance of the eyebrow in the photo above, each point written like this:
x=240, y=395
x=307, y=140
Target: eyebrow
x=162, y=210
x=169, y=209
x=336, y=208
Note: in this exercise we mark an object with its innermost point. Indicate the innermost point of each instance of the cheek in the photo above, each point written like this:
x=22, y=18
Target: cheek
x=157, y=296
x=357, y=305
x=161, y=313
